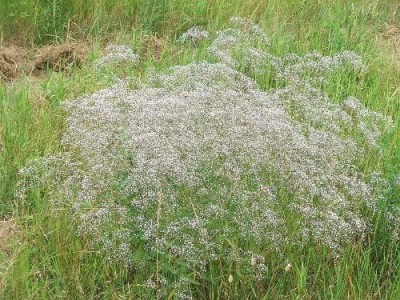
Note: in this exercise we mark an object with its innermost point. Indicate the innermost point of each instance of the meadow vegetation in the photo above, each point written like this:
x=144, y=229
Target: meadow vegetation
x=202, y=150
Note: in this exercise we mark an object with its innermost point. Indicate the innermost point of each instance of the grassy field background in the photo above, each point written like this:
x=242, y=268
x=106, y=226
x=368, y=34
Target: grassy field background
x=43, y=258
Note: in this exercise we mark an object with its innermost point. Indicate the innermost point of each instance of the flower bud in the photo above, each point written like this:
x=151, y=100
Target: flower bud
x=230, y=278
x=288, y=268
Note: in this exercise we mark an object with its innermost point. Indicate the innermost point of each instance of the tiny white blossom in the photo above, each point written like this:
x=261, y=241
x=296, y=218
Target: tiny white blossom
x=230, y=278
x=288, y=268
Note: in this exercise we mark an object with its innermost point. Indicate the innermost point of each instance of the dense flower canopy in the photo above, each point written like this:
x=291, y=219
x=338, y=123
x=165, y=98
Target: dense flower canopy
x=199, y=154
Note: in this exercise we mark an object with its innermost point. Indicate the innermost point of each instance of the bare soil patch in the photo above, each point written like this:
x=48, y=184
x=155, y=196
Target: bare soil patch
x=58, y=57
x=15, y=61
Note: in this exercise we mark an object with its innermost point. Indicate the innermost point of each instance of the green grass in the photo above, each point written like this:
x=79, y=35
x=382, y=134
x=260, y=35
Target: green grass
x=52, y=262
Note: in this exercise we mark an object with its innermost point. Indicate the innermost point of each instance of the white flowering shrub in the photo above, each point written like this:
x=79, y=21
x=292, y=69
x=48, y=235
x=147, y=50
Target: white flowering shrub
x=194, y=35
x=242, y=43
x=116, y=55
x=200, y=166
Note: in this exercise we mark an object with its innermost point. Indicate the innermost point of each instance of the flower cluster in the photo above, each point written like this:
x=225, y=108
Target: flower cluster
x=243, y=40
x=194, y=35
x=116, y=55
x=244, y=45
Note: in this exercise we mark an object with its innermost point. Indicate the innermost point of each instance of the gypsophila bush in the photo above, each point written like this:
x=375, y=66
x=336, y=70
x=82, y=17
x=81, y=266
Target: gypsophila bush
x=194, y=35
x=199, y=156
x=242, y=43
x=116, y=55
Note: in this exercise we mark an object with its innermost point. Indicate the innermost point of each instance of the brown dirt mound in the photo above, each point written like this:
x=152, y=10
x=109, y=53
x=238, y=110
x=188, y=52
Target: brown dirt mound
x=15, y=61
x=58, y=57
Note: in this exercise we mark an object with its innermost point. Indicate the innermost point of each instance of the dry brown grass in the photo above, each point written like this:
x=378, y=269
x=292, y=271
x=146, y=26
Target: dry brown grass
x=59, y=57
x=10, y=236
x=1, y=141
x=390, y=43
x=15, y=61
x=152, y=47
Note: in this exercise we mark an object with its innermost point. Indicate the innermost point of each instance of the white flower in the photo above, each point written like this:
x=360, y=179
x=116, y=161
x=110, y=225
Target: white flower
x=288, y=268
x=230, y=278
